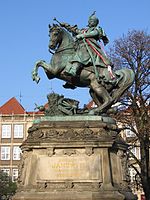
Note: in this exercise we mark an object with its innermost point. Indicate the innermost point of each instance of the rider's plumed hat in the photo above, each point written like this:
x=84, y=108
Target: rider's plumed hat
x=94, y=18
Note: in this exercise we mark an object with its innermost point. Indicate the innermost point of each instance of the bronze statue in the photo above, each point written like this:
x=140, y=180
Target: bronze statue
x=79, y=60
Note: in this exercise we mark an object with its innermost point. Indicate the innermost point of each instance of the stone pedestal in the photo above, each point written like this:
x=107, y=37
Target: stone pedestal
x=73, y=158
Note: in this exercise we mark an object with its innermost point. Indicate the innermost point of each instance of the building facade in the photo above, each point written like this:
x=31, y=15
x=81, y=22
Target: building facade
x=129, y=137
x=14, y=124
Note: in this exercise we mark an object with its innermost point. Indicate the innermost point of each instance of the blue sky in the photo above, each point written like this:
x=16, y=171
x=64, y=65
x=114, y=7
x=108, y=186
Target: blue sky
x=24, y=40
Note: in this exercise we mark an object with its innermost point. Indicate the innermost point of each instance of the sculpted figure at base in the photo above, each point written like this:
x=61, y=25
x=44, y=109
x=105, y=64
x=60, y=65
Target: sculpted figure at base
x=79, y=60
x=58, y=105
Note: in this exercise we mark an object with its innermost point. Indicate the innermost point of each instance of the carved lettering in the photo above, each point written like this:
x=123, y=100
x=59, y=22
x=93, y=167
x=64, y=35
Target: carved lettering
x=72, y=167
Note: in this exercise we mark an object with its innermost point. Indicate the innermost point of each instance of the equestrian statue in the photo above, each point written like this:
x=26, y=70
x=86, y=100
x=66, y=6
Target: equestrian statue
x=80, y=60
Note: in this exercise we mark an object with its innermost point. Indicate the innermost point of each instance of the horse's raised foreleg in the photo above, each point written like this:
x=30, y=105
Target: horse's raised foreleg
x=38, y=64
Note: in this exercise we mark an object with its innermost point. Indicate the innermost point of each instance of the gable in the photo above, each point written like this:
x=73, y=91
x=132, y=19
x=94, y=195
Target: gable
x=12, y=106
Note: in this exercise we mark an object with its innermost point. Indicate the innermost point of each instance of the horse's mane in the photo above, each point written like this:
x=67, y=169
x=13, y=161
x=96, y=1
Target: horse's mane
x=67, y=34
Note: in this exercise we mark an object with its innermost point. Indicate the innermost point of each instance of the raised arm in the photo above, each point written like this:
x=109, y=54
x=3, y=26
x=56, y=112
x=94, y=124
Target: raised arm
x=73, y=29
x=84, y=34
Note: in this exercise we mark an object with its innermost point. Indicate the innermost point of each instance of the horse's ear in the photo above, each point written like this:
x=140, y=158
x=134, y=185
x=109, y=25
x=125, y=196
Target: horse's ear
x=49, y=26
x=55, y=25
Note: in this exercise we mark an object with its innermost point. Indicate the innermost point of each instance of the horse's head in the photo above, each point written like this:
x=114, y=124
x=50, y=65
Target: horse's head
x=55, y=36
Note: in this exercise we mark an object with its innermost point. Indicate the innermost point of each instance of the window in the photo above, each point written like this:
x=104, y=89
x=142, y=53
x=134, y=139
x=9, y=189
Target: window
x=15, y=174
x=6, y=171
x=6, y=131
x=138, y=153
x=132, y=174
x=18, y=131
x=129, y=133
x=5, y=153
x=134, y=151
x=16, y=153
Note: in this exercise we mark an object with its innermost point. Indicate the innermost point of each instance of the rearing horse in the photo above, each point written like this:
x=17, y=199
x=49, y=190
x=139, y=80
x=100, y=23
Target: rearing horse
x=103, y=93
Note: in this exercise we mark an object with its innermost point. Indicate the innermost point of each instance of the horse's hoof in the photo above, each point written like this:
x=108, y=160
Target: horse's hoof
x=37, y=79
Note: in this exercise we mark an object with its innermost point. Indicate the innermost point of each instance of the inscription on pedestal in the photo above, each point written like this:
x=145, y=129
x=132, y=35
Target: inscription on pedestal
x=70, y=168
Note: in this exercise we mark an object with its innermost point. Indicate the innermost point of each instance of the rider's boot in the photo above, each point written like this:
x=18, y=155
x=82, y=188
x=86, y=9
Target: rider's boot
x=72, y=71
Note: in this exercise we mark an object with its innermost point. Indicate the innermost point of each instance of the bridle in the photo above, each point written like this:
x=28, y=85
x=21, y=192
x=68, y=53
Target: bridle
x=67, y=47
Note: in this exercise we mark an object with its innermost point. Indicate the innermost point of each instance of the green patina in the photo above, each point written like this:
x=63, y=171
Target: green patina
x=79, y=60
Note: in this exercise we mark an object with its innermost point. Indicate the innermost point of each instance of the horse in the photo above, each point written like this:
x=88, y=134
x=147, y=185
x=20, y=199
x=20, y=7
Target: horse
x=104, y=93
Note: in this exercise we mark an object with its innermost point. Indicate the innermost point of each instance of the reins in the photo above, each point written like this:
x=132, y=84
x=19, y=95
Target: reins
x=64, y=48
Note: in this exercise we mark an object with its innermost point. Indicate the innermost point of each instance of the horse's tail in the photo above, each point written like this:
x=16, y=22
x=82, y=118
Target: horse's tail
x=125, y=81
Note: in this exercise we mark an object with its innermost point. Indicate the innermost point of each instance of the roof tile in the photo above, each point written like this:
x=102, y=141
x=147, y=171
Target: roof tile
x=12, y=106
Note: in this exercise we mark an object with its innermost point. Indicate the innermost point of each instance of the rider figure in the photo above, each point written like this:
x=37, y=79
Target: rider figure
x=88, y=50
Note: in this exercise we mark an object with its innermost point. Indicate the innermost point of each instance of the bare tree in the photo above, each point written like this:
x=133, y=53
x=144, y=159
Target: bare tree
x=133, y=51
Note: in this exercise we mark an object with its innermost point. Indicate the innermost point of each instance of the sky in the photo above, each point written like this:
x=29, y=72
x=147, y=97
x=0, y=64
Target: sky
x=24, y=40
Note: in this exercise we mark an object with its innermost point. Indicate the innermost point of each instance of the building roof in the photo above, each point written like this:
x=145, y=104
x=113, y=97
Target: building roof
x=90, y=105
x=12, y=106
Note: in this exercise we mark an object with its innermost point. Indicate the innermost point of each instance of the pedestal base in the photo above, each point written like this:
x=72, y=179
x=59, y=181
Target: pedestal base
x=85, y=195
x=80, y=159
